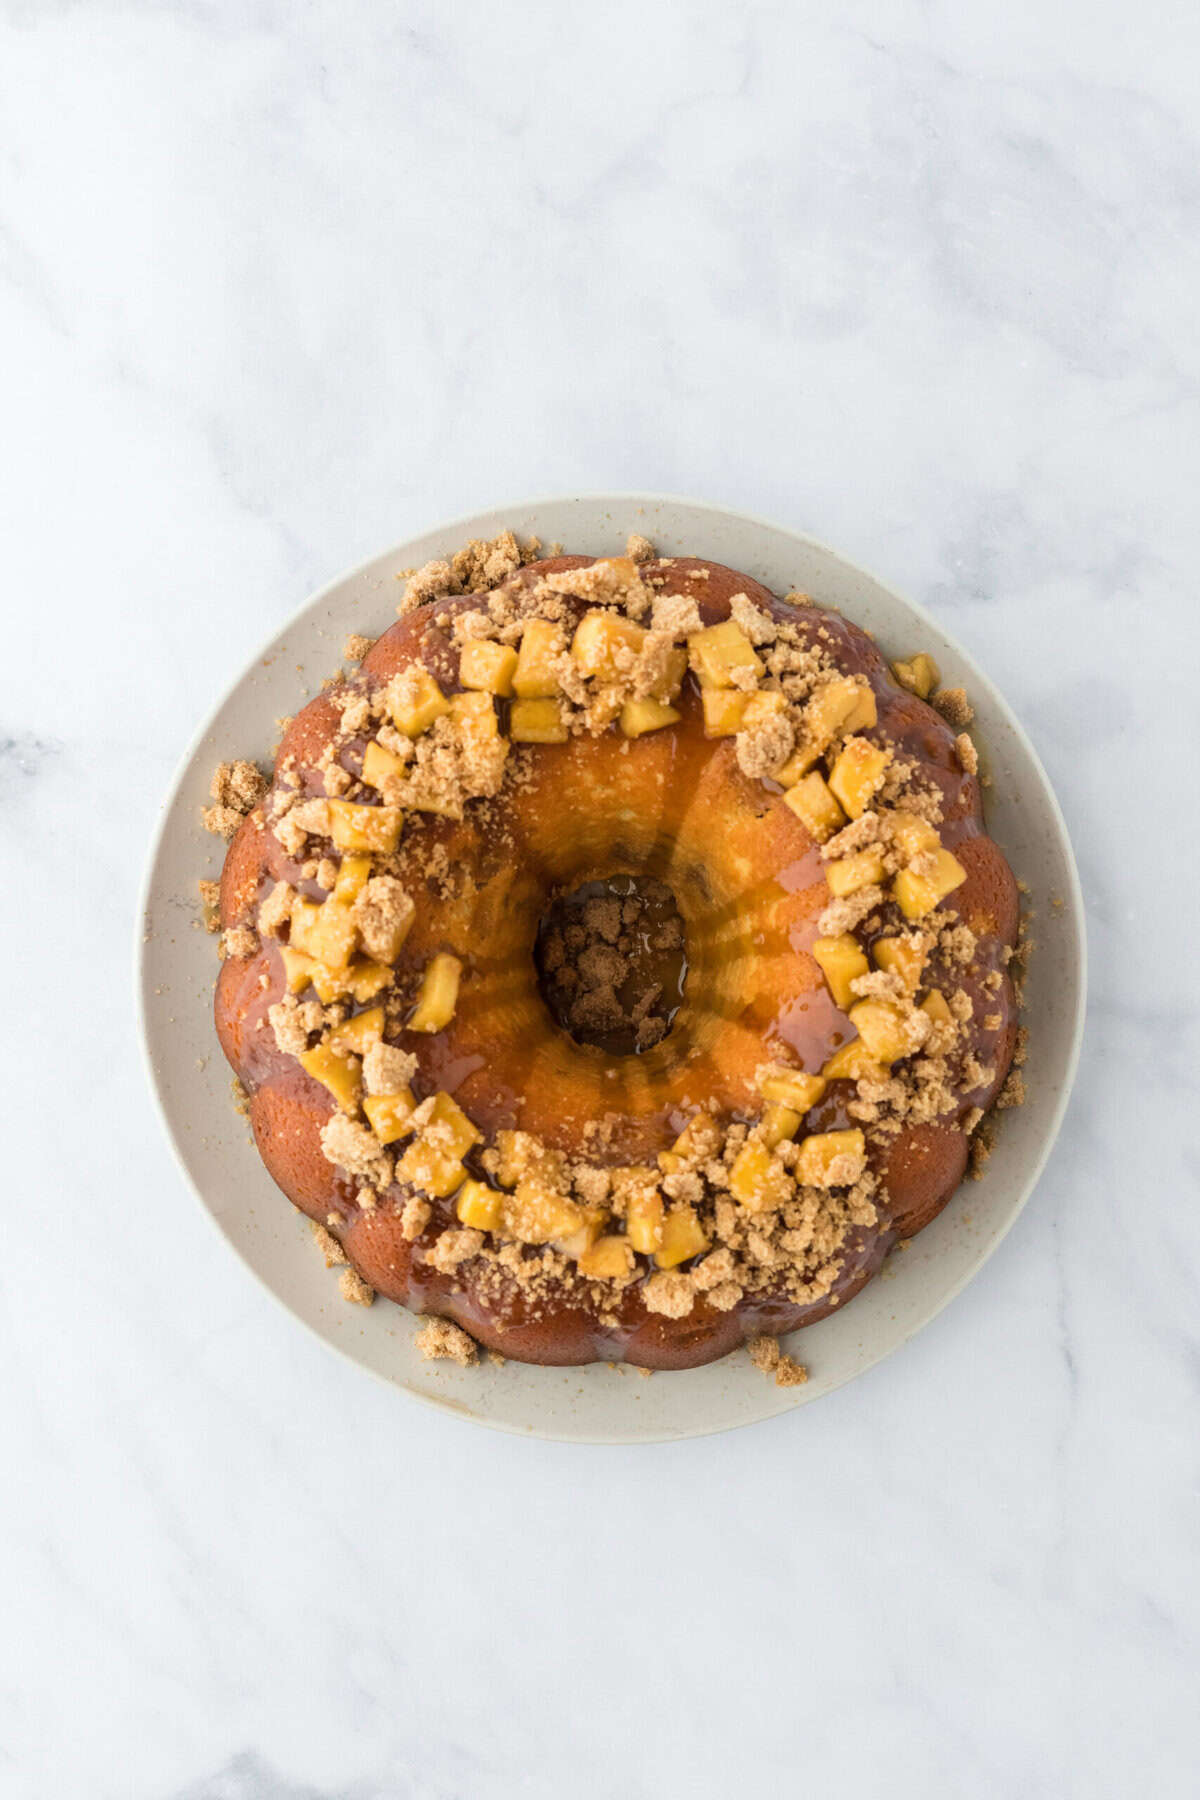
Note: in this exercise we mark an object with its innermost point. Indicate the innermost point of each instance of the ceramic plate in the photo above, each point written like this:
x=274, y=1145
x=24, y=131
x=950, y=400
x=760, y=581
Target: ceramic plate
x=596, y=1404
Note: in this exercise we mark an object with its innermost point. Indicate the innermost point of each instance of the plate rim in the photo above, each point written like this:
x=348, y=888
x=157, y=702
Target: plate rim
x=1074, y=903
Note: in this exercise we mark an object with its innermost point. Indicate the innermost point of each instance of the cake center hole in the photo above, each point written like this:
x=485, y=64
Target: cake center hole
x=611, y=962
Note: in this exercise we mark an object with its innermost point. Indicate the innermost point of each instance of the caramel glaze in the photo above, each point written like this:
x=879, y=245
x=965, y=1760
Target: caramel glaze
x=750, y=885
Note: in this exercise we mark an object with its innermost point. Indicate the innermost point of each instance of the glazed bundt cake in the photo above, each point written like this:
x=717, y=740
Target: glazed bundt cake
x=616, y=964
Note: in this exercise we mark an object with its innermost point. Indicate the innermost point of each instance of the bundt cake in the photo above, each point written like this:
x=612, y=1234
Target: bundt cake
x=616, y=963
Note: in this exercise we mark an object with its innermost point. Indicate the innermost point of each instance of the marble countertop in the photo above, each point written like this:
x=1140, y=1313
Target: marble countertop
x=282, y=285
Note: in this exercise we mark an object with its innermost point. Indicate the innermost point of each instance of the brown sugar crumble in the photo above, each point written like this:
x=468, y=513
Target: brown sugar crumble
x=237, y=788
x=439, y=1340
x=210, y=901
x=328, y=1245
x=766, y=1355
x=790, y=1373
x=354, y=1289
x=1013, y=1091
x=953, y=705
x=598, y=956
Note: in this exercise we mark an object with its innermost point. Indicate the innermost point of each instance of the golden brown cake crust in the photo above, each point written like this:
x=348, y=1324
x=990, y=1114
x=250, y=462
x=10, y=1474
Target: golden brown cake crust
x=675, y=802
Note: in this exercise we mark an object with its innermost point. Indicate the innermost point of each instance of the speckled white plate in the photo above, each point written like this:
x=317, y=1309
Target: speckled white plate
x=595, y=1404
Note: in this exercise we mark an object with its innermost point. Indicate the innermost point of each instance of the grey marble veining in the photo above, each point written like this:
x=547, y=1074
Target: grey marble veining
x=281, y=285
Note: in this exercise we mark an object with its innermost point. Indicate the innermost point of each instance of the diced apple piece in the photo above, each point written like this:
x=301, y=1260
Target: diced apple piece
x=480, y=1205
x=443, y=803
x=534, y=677
x=520, y=1154
x=851, y=873
x=694, y=1140
x=536, y=1213
x=723, y=711
x=370, y=828
x=682, y=1236
x=433, y=1161
x=340, y=1074
x=640, y=716
x=537, y=722
x=865, y=713
x=699, y=1137
x=798, y=763
x=791, y=1087
x=356, y=1036
x=448, y=1128
x=716, y=653
x=430, y=1170
x=839, y=705
x=758, y=1179
x=882, y=1029
x=487, y=666
x=919, y=674
x=853, y=1062
x=305, y=914
x=390, y=1115
x=644, y=1219
x=297, y=968
x=938, y=1008
x=899, y=956
x=382, y=768
x=364, y=979
x=415, y=700
x=779, y=1122
x=475, y=716
x=331, y=984
x=670, y=680
x=352, y=878
x=912, y=835
x=333, y=937
x=831, y=1159
x=608, y=1259
x=841, y=961
x=624, y=570
x=478, y=727
x=326, y=932
x=815, y=807
x=605, y=644
x=857, y=774
x=917, y=894
x=584, y=1236
x=766, y=704
x=439, y=994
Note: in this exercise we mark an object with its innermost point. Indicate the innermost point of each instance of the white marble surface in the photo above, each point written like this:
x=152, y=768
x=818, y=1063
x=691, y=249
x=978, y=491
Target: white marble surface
x=280, y=285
